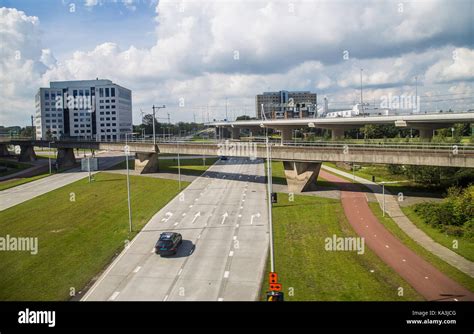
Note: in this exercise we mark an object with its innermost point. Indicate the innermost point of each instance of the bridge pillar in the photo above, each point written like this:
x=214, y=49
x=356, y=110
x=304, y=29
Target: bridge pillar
x=235, y=133
x=27, y=153
x=426, y=133
x=4, y=150
x=301, y=176
x=337, y=133
x=66, y=157
x=146, y=162
x=286, y=134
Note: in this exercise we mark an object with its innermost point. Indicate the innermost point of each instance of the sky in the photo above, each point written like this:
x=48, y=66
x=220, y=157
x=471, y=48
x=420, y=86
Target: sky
x=200, y=58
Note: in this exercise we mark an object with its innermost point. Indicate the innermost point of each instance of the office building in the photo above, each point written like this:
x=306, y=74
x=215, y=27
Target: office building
x=92, y=109
x=285, y=104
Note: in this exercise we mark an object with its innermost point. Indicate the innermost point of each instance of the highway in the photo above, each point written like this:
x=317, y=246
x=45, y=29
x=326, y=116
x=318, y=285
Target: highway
x=19, y=194
x=223, y=220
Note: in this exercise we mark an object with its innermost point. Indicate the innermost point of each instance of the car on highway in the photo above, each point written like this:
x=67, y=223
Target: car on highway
x=224, y=157
x=168, y=243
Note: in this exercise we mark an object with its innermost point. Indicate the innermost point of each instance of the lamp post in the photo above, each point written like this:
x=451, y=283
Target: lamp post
x=154, y=138
x=49, y=155
x=127, y=151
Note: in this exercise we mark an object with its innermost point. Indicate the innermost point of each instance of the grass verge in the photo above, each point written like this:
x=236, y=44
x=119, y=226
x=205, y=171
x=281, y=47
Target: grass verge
x=464, y=248
x=314, y=274
x=441, y=265
x=76, y=238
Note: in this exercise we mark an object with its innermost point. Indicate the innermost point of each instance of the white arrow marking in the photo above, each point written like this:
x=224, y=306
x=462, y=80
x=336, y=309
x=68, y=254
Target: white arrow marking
x=251, y=218
x=224, y=216
x=196, y=216
x=168, y=215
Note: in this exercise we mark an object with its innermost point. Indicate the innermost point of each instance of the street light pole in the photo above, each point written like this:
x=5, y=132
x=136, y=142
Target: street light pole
x=269, y=200
x=383, y=199
x=49, y=157
x=179, y=169
x=127, y=151
x=154, y=137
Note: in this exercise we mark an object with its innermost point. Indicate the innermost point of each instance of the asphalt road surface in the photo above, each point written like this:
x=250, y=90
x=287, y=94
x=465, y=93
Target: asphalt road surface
x=19, y=194
x=223, y=220
x=421, y=275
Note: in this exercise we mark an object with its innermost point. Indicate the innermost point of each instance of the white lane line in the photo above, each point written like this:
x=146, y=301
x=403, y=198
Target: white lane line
x=226, y=274
x=175, y=224
x=235, y=237
x=184, y=214
x=166, y=297
x=220, y=299
x=180, y=271
x=231, y=253
x=153, y=250
x=237, y=225
x=114, y=295
x=137, y=269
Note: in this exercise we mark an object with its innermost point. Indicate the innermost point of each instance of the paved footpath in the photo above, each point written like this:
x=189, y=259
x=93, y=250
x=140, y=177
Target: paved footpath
x=22, y=193
x=393, y=209
x=421, y=275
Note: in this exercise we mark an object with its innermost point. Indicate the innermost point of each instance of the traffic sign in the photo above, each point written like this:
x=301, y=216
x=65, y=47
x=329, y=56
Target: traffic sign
x=275, y=287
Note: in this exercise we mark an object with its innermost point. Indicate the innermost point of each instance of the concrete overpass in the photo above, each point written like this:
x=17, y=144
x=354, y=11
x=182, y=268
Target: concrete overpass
x=425, y=123
x=301, y=161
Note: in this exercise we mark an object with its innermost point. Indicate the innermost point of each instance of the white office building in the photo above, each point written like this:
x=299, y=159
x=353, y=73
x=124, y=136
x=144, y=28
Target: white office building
x=92, y=109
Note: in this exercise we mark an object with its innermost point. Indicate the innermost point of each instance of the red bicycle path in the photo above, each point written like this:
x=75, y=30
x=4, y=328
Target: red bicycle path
x=421, y=275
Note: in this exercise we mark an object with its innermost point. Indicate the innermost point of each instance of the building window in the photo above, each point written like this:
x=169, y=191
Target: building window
x=107, y=92
x=46, y=95
x=101, y=92
x=112, y=91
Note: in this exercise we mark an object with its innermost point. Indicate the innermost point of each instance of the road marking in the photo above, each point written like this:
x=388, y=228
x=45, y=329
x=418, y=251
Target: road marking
x=166, y=297
x=199, y=236
x=240, y=216
x=184, y=214
x=404, y=260
x=114, y=295
x=226, y=274
x=237, y=225
x=426, y=277
x=234, y=237
x=231, y=253
x=137, y=269
x=180, y=271
x=224, y=216
x=455, y=299
x=191, y=206
x=241, y=207
x=153, y=250
x=175, y=224
x=198, y=214
x=386, y=246
x=168, y=216
x=255, y=215
x=220, y=299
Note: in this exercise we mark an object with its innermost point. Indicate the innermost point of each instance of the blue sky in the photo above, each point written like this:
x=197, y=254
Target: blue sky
x=88, y=27
x=208, y=52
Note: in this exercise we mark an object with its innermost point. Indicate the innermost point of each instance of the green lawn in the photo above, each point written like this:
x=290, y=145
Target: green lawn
x=444, y=267
x=465, y=246
x=303, y=264
x=188, y=166
x=77, y=239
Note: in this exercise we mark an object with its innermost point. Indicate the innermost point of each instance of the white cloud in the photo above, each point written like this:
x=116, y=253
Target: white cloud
x=279, y=47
